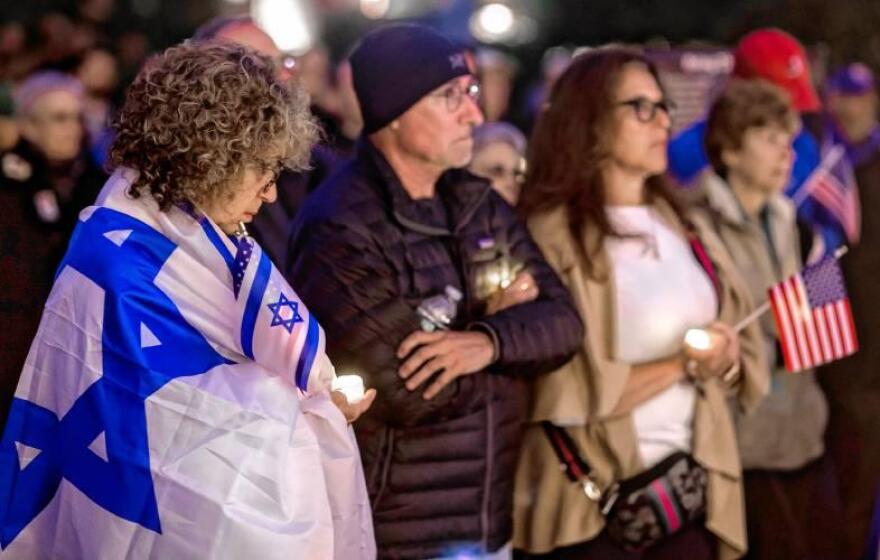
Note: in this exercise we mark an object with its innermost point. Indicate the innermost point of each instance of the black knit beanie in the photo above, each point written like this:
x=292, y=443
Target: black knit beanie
x=396, y=65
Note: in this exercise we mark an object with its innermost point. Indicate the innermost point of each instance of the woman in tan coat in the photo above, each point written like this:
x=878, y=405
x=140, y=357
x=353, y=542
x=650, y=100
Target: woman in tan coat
x=642, y=272
x=792, y=506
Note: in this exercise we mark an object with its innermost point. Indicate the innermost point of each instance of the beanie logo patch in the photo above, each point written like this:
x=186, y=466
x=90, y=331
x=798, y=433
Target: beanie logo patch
x=457, y=61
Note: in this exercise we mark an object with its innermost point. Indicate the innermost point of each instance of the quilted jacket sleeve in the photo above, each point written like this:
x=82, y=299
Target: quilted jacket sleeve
x=541, y=335
x=350, y=287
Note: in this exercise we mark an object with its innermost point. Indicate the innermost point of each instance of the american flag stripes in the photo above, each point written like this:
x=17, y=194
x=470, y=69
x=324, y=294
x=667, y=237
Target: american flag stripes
x=833, y=186
x=813, y=316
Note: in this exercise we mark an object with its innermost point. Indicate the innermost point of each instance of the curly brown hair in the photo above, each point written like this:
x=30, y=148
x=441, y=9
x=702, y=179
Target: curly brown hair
x=745, y=104
x=199, y=114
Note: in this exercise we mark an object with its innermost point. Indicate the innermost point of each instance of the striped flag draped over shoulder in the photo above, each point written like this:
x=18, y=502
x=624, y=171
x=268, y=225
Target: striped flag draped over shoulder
x=174, y=404
x=813, y=316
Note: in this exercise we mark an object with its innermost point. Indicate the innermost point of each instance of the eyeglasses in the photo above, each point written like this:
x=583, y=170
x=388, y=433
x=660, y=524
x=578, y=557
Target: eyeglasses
x=646, y=110
x=454, y=95
x=500, y=171
x=276, y=173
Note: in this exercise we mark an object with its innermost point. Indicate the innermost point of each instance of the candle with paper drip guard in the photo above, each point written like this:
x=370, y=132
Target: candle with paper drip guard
x=351, y=385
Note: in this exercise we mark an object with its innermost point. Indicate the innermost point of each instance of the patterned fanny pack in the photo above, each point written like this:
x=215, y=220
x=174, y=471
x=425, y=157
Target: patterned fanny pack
x=643, y=509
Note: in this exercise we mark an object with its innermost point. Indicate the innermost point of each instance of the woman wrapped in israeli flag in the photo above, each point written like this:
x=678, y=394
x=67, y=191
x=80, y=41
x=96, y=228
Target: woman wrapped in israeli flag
x=176, y=401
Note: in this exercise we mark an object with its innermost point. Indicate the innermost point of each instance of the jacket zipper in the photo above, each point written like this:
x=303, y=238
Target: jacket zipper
x=490, y=435
x=385, y=468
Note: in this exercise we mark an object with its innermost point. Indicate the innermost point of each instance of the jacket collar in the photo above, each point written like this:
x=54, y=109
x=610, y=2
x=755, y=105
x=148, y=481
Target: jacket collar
x=462, y=191
x=720, y=197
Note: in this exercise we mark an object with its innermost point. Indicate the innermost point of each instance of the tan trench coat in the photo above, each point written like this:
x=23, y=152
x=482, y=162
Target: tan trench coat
x=549, y=510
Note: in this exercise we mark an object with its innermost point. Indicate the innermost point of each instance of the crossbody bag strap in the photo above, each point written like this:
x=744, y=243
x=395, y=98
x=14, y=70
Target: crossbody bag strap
x=702, y=256
x=576, y=467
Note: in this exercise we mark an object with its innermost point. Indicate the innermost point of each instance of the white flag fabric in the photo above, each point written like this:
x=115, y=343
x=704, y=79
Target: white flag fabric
x=174, y=404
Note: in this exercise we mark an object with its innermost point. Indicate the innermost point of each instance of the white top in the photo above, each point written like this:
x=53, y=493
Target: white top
x=662, y=291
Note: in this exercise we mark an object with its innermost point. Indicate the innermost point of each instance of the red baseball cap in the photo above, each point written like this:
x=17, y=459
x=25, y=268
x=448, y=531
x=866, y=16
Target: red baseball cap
x=774, y=55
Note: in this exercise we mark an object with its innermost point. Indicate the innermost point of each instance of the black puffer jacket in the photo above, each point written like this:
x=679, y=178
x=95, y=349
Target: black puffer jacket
x=439, y=472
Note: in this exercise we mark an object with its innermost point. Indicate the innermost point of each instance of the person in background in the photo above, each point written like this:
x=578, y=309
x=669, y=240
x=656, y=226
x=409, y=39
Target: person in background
x=347, y=122
x=8, y=126
x=45, y=180
x=775, y=56
x=499, y=155
x=98, y=73
x=271, y=227
x=496, y=71
x=851, y=110
x=793, y=509
x=401, y=255
x=553, y=64
x=642, y=272
x=853, y=385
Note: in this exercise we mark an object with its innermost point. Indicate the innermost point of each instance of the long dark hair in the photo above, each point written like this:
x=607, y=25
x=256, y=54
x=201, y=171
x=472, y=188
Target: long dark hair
x=570, y=141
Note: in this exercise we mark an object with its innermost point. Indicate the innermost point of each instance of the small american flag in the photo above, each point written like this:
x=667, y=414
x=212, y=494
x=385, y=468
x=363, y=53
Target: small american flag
x=833, y=186
x=813, y=316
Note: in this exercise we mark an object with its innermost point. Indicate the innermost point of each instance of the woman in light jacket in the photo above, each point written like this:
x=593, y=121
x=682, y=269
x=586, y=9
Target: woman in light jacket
x=642, y=272
x=792, y=506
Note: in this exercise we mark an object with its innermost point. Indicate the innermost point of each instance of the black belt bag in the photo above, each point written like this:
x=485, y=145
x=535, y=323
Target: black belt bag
x=643, y=509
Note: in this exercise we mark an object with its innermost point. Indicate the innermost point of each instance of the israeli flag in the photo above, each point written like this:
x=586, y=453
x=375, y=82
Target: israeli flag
x=174, y=404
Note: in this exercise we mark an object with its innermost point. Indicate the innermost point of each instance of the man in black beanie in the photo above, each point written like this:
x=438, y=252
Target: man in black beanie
x=410, y=264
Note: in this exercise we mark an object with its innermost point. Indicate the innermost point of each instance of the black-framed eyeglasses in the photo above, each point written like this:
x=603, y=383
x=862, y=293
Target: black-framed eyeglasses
x=646, y=110
x=455, y=95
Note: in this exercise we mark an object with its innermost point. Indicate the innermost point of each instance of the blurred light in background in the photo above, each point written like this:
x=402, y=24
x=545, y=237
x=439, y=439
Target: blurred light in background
x=290, y=23
x=493, y=22
x=497, y=22
x=375, y=9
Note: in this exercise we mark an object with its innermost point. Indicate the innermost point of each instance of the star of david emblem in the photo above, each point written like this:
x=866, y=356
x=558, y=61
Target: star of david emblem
x=280, y=316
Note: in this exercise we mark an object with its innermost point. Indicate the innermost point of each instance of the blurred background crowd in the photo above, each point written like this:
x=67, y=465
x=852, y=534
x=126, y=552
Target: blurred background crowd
x=65, y=65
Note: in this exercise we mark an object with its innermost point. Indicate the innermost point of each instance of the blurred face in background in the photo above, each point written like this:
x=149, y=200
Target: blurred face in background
x=764, y=160
x=496, y=84
x=639, y=131
x=249, y=35
x=856, y=114
x=313, y=73
x=54, y=125
x=503, y=165
x=349, y=109
x=98, y=72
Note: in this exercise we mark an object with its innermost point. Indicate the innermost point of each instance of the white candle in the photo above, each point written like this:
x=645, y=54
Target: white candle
x=698, y=339
x=352, y=386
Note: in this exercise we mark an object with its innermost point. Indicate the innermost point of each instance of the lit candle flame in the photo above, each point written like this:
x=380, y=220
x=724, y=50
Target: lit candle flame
x=698, y=339
x=352, y=386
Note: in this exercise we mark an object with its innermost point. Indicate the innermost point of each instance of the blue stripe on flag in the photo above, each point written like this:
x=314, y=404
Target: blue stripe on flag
x=252, y=309
x=307, y=356
x=218, y=243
